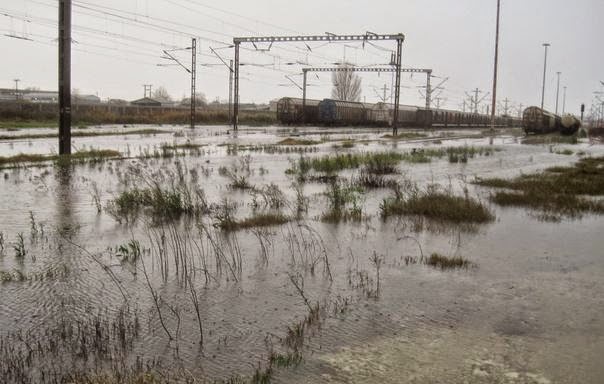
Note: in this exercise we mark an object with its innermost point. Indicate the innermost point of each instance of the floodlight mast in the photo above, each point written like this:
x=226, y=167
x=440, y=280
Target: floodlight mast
x=329, y=37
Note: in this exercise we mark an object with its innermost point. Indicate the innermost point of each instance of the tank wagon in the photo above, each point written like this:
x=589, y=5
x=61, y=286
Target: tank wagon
x=569, y=125
x=290, y=111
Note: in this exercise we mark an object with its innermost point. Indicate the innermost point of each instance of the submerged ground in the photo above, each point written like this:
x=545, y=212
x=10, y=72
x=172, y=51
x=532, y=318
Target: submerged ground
x=294, y=255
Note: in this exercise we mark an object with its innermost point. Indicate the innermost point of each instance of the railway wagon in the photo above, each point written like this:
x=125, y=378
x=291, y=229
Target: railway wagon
x=335, y=112
x=289, y=111
x=539, y=121
x=569, y=125
x=381, y=115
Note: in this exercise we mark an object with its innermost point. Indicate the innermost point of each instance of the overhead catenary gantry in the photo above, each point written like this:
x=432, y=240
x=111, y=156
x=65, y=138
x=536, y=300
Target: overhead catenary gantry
x=399, y=38
x=428, y=73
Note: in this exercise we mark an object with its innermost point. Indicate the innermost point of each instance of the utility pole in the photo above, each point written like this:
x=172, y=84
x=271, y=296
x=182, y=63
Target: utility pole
x=428, y=91
x=64, y=77
x=438, y=99
x=148, y=87
x=385, y=89
x=236, y=88
x=477, y=91
x=506, y=107
x=495, y=70
x=231, y=92
x=17, y=89
x=192, y=71
x=520, y=110
x=564, y=101
x=558, y=91
x=546, y=45
x=193, y=80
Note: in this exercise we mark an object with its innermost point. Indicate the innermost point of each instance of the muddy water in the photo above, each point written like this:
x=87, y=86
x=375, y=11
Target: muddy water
x=528, y=311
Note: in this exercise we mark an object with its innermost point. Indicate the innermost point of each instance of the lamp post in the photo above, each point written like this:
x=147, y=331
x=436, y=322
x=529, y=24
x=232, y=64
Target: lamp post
x=546, y=45
x=495, y=70
x=564, y=101
x=558, y=91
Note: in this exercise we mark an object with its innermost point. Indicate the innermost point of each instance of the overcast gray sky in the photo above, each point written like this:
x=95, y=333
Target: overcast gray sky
x=118, y=44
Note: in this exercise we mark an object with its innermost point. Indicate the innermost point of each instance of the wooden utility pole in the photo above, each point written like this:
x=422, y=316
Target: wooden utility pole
x=64, y=77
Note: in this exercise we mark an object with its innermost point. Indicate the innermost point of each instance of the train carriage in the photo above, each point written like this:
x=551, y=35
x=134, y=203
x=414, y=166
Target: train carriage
x=290, y=111
x=336, y=112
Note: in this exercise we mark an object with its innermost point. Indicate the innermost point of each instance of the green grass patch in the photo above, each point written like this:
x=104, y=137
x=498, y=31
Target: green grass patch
x=157, y=202
x=438, y=206
x=81, y=156
x=437, y=260
x=146, y=131
x=558, y=191
x=292, y=141
x=565, y=152
x=23, y=124
x=550, y=139
x=344, y=203
x=383, y=162
x=256, y=221
x=406, y=136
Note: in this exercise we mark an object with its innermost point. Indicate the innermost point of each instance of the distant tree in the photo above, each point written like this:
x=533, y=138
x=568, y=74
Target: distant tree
x=200, y=100
x=346, y=85
x=161, y=94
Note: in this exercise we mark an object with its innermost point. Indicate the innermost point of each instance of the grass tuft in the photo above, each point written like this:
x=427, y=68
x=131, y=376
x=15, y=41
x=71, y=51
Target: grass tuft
x=444, y=262
x=557, y=191
x=292, y=141
x=437, y=205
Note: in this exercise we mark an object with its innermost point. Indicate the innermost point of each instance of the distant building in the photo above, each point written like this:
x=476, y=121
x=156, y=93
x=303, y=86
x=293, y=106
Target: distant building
x=86, y=99
x=272, y=105
x=146, y=102
x=45, y=97
x=117, y=102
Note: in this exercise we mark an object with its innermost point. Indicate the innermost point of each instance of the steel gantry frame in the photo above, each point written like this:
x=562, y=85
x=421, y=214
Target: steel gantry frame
x=305, y=71
x=399, y=38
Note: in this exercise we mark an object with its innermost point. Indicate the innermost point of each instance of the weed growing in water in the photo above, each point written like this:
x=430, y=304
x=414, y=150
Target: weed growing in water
x=437, y=205
x=550, y=139
x=96, y=196
x=293, y=141
x=444, y=262
x=556, y=192
x=165, y=204
x=344, y=203
x=255, y=221
x=19, y=247
x=381, y=162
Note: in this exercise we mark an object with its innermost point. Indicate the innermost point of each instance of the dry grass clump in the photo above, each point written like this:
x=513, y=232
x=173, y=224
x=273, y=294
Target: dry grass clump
x=555, y=192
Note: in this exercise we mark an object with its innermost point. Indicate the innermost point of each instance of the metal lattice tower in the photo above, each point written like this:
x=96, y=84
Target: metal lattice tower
x=399, y=38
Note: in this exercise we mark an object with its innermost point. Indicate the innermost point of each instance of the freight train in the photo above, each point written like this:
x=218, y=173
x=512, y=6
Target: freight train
x=344, y=113
x=539, y=121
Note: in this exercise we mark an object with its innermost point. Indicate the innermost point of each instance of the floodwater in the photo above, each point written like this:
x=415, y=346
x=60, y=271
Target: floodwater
x=529, y=310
